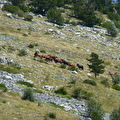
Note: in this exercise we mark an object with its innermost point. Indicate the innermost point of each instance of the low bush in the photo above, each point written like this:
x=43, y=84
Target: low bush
x=32, y=45
x=117, y=24
x=25, y=83
x=28, y=17
x=105, y=82
x=116, y=87
x=94, y=110
x=52, y=115
x=115, y=115
x=115, y=79
x=23, y=52
x=43, y=51
x=91, y=82
x=3, y=87
x=61, y=91
x=28, y=95
x=73, y=81
x=63, y=66
x=78, y=93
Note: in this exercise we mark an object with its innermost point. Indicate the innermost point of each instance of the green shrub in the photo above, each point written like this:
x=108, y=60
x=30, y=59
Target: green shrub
x=61, y=91
x=115, y=115
x=23, y=52
x=43, y=51
x=78, y=93
x=116, y=79
x=28, y=95
x=116, y=87
x=25, y=83
x=63, y=66
x=111, y=28
x=105, y=82
x=52, y=115
x=3, y=87
x=20, y=13
x=3, y=101
x=54, y=16
x=72, y=81
x=91, y=82
x=28, y=17
x=73, y=68
x=10, y=8
x=94, y=110
x=32, y=45
x=117, y=24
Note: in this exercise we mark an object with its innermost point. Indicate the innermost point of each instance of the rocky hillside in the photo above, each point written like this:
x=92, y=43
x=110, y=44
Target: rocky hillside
x=72, y=43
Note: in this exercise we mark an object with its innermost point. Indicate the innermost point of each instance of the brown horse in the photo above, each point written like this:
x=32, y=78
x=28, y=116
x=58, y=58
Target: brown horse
x=71, y=64
x=114, y=74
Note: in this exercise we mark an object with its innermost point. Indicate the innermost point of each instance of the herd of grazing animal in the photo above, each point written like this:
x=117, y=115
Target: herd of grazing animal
x=50, y=58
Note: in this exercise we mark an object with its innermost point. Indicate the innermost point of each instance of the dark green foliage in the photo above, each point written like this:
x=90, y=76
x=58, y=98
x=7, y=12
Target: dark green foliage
x=84, y=10
x=115, y=79
x=43, y=51
x=105, y=82
x=94, y=110
x=116, y=87
x=61, y=91
x=32, y=45
x=25, y=83
x=110, y=26
x=17, y=2
x=96, y=64
x=115, y=115
x=63, y=66
x=91, y=82
x=42, y=6
x=54, y=16
x=78, y=93
x=51, y=115
x=10, y=8
x=117, y=24
x=3, y=87
x=28, y=95
x=73, y=81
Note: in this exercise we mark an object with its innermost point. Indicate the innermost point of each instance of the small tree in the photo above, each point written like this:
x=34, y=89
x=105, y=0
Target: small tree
x=96, y=64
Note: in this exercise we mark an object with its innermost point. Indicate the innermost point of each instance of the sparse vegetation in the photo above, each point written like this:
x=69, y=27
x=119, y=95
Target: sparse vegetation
x=3, y=87
x=91, y=82
x=61, y=91
x=25, y=83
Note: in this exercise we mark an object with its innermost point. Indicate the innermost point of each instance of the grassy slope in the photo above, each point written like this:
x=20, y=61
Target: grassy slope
x=108, y=97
